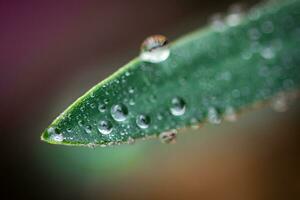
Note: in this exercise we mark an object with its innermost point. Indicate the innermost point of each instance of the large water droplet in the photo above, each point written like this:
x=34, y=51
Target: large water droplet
x=168, y=136
x=213, y=116
x=155, y=49
x=119, y=112
x=105, y=127
x=143, y=121
x=177, y=106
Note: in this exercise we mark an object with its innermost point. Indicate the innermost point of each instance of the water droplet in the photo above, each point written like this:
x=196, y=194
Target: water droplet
x=195, y=124
x=230, y=114
x=131, y=90
x=177, y=106
x=102, y=107
x=143, y=121
x=55, y=135
x=80, y=123
x=235, y=15
x=92, y=105
x=105, y=101
x=131, y=102
x=155, y=49
x=159, y=117
x=168, y=137
x=105, y=127
x=217, y=23
x=213, y=116
x=88, y=129
x=127, y=74
x=119, y=112
x=267, y=53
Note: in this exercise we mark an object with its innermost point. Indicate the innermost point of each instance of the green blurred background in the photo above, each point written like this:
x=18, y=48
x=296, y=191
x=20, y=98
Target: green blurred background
x=51, y=52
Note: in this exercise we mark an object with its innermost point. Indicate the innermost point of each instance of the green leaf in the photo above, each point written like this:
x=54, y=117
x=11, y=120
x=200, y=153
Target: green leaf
x=210, y=74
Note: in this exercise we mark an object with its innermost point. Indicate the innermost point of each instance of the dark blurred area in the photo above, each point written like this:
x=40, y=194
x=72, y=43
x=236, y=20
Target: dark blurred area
x=51, y=52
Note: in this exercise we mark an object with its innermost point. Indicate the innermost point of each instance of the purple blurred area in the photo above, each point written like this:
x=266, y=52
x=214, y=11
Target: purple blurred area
x=46, y=43
x=53, y=51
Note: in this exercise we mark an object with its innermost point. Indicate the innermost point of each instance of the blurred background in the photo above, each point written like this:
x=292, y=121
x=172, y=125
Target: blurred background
x=51, y=52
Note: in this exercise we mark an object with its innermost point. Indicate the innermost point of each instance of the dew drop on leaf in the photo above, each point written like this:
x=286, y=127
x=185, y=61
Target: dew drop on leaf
x=155, y=49
x=178, y=106
x=105, y=127
x=119, y=112
x=235, y=15
x=143, y=121
x=88, y=129
x=55, y=135
x=213, y=116
x=131, y=90
x=217, y=22
x=102, y=107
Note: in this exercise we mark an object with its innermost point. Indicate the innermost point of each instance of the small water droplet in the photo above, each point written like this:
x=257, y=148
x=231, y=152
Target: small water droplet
x=131, y=102
x=267, y=53
x=88, y=129
x=235, y=15
x=230, y=114
x=105, y=101
x=102, y=107
x=119, y=112
x=168, y=137
x=92, y=105
x=159, y=117
x=80, y=122
x=55, y=135
x=131, y=90
x=178, y=106
x=105, y=127
x=213, y=116
x=155, y=49
x=143, y=121
x=217, y=22
x=195, y=124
